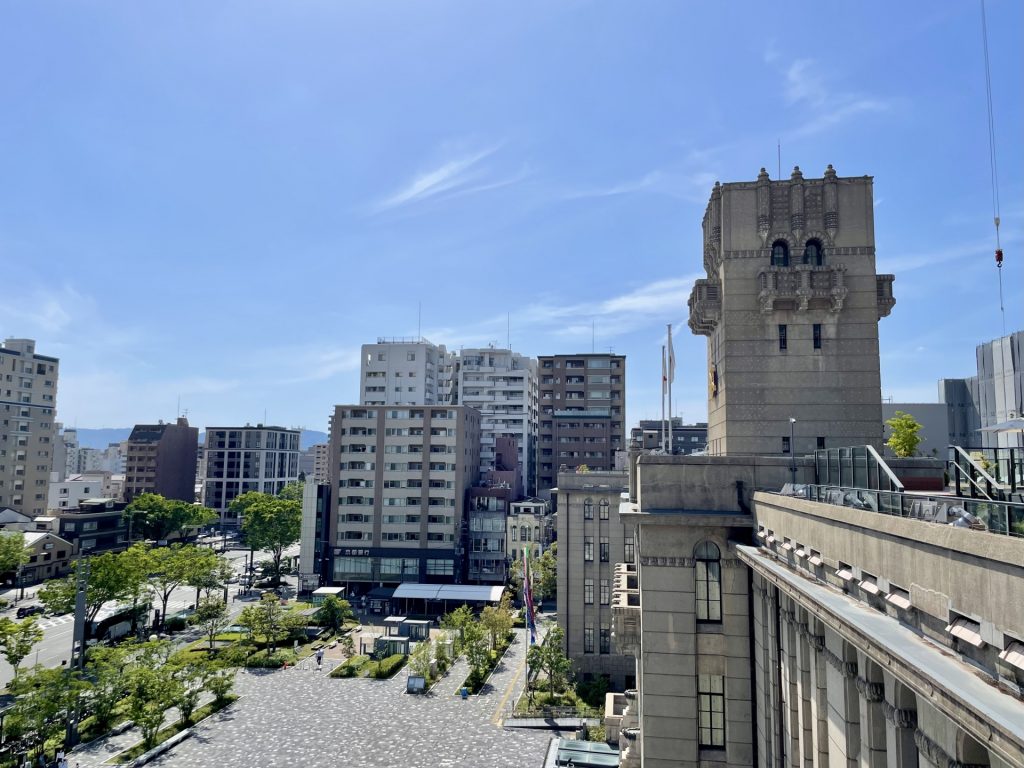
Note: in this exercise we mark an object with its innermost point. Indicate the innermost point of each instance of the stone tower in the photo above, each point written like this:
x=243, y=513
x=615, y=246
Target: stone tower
x=790, y=307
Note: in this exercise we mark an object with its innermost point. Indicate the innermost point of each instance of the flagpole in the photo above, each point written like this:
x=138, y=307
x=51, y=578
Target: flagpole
x=671, y=376
x=664, y=380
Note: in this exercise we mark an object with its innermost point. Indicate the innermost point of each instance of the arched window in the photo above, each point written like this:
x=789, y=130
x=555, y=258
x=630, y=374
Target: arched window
x=813, y=253
x=780, y=253
x=604, y=509
x=524, y=533
x=708, y=578
x=588, y=509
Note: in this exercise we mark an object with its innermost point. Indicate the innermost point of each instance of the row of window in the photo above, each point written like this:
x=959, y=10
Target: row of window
x=813, y=253
x=588, y=549
x=784, y=337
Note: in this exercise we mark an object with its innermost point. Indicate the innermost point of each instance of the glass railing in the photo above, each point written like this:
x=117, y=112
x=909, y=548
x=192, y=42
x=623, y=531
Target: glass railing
x=857, y=466
x=1001, y=517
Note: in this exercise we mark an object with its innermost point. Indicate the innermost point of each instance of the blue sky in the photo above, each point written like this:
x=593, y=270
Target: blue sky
x=222, y=201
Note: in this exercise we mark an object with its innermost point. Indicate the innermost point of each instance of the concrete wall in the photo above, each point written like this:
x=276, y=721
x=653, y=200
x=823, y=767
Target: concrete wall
x=934, y=421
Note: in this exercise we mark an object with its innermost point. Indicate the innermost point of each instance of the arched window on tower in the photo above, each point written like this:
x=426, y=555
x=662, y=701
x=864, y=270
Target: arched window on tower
x=780, y=253
x=708, y=579
x=813, y=253
x=588, y=508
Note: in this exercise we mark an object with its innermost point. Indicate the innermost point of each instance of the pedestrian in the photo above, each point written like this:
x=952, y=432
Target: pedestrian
x=60, y=756
x=319, y=657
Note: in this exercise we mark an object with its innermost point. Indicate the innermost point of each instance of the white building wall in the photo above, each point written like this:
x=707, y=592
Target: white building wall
x=405, y=372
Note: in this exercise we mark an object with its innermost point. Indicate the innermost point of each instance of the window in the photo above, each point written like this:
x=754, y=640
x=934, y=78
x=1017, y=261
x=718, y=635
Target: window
x=588, y=640
x=817, y=335
x=515, y=530
x=785, y=444
x=783, y=338
x=604, y=551
x=588, y=509
x=711, y=711
x=588, y=591
x=588, y=548
x=780, y=254
x=605, y=592
x=606, y=639
x=708, y=577
x=630, y=554
x=410, y=356
x=813, y=253
x=821, y=443
x=604, y=509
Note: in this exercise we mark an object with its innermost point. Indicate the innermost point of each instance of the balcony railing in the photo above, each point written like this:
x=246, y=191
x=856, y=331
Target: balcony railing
x=705, y=306
x=801, y=286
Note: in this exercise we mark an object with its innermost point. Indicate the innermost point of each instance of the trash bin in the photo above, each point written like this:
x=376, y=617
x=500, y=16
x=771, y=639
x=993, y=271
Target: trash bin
x=464, y=693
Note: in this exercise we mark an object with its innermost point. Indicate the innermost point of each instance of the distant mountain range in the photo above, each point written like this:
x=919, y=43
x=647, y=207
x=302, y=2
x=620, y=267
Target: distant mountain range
x=101, y=438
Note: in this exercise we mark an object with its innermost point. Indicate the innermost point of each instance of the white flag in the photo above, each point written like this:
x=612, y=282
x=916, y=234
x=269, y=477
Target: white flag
x=664, y=373
x=671, y=358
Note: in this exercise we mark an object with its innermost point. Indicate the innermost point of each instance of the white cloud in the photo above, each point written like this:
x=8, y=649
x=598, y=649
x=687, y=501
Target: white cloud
x=805, y=83
x=453, y=175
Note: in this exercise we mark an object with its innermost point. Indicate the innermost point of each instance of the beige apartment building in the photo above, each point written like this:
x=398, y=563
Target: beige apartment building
x=591, y=540
x=400, y=475
x=28, y=405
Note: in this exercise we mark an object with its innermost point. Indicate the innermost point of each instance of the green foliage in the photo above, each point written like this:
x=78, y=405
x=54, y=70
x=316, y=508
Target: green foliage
x=270, y=659
x=104, y=665
x=292, y=491
x=212, y=616
x=165, y=733
x=171, y=567
x=333, y=612
x=545, y=573
x=220, y=685
x=112, y=577
x=351, y=667
x=17, y=639
x=191, y=677
x=388, y=666
x=903, y=440
x=497, y=619
x=420, y=658
x=269, y=523
x=157, y=518
x=549, y=658
x=458, y=620
x=593, y=691
x=151, y=687
x=13, y=554
x=270, y=621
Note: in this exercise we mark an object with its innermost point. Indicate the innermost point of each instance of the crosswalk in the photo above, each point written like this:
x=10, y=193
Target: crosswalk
x=55, y=621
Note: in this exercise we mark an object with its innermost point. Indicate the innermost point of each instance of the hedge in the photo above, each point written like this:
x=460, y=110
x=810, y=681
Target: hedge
x=386, y=668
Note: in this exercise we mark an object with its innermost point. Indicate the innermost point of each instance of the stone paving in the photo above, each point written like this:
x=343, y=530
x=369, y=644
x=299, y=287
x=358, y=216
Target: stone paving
x=301, y=717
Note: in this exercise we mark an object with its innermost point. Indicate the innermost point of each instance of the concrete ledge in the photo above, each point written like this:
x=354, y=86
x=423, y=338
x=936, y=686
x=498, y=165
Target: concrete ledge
x=159, y=749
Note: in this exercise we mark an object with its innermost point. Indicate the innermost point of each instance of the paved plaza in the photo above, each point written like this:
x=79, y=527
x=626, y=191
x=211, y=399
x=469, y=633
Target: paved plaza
x=301, y=717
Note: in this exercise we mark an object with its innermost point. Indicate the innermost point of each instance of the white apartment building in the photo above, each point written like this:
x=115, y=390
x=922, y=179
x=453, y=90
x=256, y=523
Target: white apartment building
x=66, y=494
x=407, y=371
x=502, y=385
x=242, y=459
x=400, y=476
x=321, y=463
x=28, y=401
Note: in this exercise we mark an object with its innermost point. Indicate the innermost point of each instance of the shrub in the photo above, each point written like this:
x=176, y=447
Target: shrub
x=351, y=667
x=236, y=655
x=175, y=624
x=263, y=660
x=385, y=668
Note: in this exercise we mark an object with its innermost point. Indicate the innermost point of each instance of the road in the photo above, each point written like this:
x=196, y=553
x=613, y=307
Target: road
x=55, y=646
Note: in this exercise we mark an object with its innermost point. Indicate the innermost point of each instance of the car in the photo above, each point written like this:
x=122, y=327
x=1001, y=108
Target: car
x=30, y=610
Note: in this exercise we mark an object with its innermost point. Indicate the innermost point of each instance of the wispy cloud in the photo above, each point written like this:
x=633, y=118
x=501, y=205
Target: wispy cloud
x=966, y=252
x=645, y=182
x=462, y=174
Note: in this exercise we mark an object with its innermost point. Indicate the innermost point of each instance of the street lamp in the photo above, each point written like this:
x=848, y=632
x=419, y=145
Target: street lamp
x=792, y=447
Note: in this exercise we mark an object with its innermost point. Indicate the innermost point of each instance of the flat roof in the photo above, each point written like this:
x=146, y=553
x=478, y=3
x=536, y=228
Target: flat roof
x=328, y=591
x=466, y=592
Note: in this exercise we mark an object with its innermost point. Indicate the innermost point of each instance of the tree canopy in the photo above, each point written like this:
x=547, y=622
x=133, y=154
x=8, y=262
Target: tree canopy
x=12, y=551
x=904, y=437
x=158, y=518
x=272, y=524
x=113, y=576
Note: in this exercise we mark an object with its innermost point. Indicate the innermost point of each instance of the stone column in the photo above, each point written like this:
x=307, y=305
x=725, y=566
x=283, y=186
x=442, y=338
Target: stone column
x=899, y=736
x=872, y=718
x=790, y=677
x=843, y=705
x=806, y=692
x=819, y=696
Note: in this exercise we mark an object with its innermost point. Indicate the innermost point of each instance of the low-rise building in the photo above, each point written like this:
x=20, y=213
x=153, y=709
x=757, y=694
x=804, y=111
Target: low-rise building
x=49, y=556
x=529, y=522
x=651, y=435
x=487, y=515
x=67, y=494
x=96, y=525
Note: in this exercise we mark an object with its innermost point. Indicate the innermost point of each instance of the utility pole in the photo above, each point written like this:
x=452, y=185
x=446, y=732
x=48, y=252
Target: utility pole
x=78, y=638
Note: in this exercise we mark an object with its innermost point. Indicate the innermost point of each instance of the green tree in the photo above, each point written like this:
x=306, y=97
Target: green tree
x=13, y=554
x=332, y=612
x=113, y=577
x=17, y=639
x=270, y=621
x=212, y=617
x=459, y=620
x=549, y=658
x=497, y=620
x=476, y=647
x=191, y=677
x=544, y=571
x=220, y=685
x=420, y=658
x=158, y=518
x=45, y=700
x=903, y=439
x=105, y=665
x=272, y=524
x=292, y=491
x=171, y=567
x=150, y=691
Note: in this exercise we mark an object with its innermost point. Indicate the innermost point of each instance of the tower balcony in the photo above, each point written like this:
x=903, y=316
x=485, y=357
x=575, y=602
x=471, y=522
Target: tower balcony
x=626, y=610
x=705, y=306
x=802, y=287
x=883, y=289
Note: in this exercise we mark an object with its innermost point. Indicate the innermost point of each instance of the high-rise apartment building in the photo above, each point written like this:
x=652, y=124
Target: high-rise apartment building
x=407, y=371
x=321, y=462
x=790, y=306
x=241, y=459
x=650, y=435
x=400, y=476
x=28, y=403
x=582, y=413
x=161, y=458
x=502, y=385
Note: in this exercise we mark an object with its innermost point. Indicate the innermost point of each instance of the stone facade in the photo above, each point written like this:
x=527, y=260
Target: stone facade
x=591, y=541
x=790, y=306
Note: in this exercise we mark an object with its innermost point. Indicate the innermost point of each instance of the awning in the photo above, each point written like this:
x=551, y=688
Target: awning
x=845, y=574
x=329, y=591
x=380, y=593
x=966, y=630
x=898, y=600
x=465, y=592
x=870, y=587
x=420, y=591
x=1014, y=654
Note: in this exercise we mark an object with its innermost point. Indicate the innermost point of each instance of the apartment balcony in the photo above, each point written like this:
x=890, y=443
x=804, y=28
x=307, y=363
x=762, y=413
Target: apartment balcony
x=626, y=610
x=883, y=289
x=802, y=287
x=705, y=305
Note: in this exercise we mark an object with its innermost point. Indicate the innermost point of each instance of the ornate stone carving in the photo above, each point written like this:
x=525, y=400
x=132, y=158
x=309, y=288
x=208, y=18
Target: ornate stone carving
x=847, y=669
x=901, y=718
x=715, y=230
x=802, y=284
x=883, y=291
x=796, y=203
x=817, y=642
x=670, y=562
x=873, y=692
x=705, y=305
x=831, y=201
x=764, y=221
